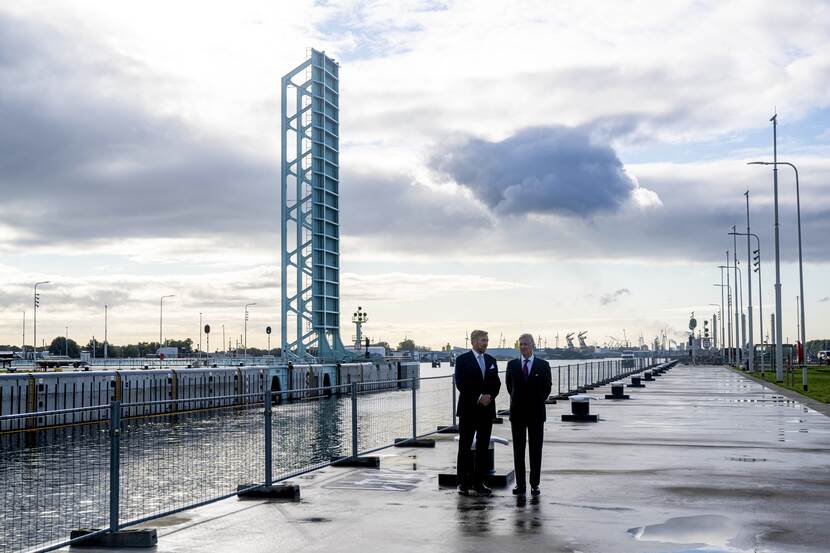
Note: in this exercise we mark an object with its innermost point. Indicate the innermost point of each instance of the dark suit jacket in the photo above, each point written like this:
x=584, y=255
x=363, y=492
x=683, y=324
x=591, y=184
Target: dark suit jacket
x=471, y=385
x=527, y=398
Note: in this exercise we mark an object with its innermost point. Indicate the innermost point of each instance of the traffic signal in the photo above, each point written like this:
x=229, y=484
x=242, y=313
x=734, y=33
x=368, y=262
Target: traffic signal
x=37, y=301
x=756, y=260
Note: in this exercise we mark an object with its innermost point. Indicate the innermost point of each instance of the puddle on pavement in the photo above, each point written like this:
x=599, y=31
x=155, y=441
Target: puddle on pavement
x=711, y=530
x=314, y=519
x=401, y=461
x=171, y=520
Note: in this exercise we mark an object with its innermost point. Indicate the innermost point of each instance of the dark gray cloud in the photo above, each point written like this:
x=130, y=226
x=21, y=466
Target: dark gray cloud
x=80, y=164
x=557, y=170
x=605, y=299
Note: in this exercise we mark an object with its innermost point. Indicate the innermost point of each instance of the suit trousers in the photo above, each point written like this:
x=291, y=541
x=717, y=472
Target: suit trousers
x=481, y=424
x=530, y=434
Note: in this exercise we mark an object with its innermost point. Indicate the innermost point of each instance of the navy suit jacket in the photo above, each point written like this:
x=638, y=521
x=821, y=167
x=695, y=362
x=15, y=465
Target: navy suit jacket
x=527, y=397
x=471, y=385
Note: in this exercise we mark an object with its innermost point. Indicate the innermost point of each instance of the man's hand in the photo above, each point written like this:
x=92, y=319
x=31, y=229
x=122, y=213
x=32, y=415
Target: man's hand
x=485, y=400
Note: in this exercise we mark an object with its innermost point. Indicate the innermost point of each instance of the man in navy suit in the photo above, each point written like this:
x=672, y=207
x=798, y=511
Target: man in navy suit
x=477, y=380
x=528, y=383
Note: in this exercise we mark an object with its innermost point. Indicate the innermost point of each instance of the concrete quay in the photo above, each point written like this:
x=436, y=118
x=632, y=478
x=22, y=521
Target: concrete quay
x=701, y=459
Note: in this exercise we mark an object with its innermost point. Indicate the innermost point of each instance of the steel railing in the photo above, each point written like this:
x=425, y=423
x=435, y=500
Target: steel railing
x=141, y=462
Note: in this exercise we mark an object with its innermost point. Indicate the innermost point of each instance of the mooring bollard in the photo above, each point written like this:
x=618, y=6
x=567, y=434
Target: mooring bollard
x=647, y=376
x=635, y=383
x=617, y=392
x=580, y=410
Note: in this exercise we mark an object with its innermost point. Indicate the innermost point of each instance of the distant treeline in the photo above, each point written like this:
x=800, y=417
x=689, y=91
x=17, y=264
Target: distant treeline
x=61, y=346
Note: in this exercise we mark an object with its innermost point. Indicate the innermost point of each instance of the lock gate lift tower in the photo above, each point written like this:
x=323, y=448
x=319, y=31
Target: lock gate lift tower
x=310, y=215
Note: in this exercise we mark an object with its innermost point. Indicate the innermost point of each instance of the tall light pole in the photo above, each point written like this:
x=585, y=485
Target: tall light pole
x=200, y=333
x=161, y=317
x=756, y=268
x=738, y=343
x=779, y=351
x=23, y=349
x=800, y=264
x=66, y=341
x=106, y=307
x=723, y=337
x=715, y=325
x=36, y=304
x=732, y=353
x=245, y=347
x=741, y=318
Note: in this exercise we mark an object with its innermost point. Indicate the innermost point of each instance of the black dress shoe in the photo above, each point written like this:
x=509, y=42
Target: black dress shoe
x=519, y=490
x=534, y=490
x=481, y=489
x=463, y=490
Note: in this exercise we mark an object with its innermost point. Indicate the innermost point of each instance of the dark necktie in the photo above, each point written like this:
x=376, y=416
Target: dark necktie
x=524, y=369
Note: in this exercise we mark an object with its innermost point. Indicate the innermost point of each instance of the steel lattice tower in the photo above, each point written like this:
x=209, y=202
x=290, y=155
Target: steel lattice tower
x=310, y=221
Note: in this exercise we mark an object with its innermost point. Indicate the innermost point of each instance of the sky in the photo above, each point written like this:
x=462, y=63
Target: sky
x=542, y=167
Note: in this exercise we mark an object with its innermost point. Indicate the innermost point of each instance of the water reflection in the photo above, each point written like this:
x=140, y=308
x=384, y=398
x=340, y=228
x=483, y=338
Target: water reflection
x=474, y=516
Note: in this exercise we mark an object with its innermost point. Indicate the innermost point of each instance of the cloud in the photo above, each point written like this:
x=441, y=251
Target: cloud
x=612, y=297
x=80, y=165
x=824, y=299
x=547, y=170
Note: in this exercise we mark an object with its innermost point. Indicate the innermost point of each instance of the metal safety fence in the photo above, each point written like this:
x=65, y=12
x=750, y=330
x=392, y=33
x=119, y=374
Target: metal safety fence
x=580, y=377
x=139, y=461
x=144, y=460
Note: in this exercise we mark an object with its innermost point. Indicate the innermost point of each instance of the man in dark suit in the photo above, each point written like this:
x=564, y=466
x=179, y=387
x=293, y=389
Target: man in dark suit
x=477, y=380
x=529, y=384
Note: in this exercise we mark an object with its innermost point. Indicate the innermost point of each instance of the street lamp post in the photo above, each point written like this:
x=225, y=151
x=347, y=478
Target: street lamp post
x=161, y=317
x=741, y=318
x=66, y=341
x=732, y=354
x=245, y=347
x=800, y=263
x=738, y=343
x=36, y=304
x=715, y=330
x=723, y=336
x=757, y=269
x=779, y=351
x=106, y=307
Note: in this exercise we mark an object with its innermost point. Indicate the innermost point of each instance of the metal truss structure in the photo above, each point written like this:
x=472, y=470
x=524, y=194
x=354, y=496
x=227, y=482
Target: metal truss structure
x=310, y=217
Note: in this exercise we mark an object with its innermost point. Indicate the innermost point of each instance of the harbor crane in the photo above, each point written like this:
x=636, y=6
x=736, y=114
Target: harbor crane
x=570, y=338
x=581, y=337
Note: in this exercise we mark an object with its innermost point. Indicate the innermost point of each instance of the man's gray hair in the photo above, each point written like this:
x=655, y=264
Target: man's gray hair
x=529, y=337
x=476, y=334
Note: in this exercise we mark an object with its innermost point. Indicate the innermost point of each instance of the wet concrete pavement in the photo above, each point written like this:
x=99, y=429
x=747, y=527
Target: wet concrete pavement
x=702, y=459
